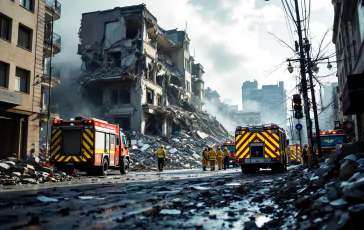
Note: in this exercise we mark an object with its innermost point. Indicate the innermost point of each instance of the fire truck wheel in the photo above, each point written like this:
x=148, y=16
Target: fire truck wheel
x=124, y=166
x=104, y=167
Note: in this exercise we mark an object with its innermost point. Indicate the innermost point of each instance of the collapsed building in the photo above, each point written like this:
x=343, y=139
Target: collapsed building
x=133, y=71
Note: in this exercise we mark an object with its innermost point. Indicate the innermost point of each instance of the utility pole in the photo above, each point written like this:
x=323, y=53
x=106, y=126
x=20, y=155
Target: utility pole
x=303, y=79
x=313, y=98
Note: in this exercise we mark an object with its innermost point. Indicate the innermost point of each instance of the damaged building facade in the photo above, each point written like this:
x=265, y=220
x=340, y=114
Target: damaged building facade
x=133, y=70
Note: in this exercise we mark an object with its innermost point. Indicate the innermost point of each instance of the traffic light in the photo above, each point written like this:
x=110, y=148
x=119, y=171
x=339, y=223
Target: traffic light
x=297, y=106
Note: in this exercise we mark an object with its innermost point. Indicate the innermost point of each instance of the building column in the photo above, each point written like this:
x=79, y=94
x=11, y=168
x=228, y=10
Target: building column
x=33, y=134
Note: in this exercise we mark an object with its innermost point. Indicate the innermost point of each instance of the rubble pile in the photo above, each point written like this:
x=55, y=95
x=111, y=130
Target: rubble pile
x=28, y=171
x=183, y=151
x=331, y=196
x=197, y=130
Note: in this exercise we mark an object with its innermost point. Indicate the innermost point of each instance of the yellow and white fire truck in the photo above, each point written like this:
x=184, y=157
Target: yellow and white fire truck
x=295, y=155
x=91, y=145
x=261, y=146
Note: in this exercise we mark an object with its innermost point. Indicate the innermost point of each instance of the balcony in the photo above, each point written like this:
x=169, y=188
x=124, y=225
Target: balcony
x=52, y=7
x=48, y=43
x=43, y=115
x=46, y=79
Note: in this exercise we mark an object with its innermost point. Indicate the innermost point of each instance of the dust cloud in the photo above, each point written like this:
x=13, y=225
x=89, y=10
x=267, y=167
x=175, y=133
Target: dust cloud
x=220, y=114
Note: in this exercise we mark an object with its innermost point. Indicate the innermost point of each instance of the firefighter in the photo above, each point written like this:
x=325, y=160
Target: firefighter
x=304, y=154
x=220, y=156
x=161, y=155
x=212, y=159
x=226, y=158
x=205, y=158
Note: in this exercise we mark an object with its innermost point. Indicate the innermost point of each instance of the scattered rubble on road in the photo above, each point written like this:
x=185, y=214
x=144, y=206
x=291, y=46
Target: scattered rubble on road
x=28, y=171
x=331, y=196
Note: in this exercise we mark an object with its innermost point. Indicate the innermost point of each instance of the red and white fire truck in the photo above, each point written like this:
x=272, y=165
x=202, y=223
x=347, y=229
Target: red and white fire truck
x=230, y=145
x=329, y=139
x=261, y=146
x=91, y=145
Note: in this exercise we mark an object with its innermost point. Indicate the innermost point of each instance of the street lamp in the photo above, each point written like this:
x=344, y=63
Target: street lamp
x=329, y=66
x=316, y=69
x=290, y=67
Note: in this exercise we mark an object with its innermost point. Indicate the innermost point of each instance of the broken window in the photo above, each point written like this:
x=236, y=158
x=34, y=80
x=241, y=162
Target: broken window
x=121, y=96
x=114, y=59
x=124, y=122
x=133, y=26
x=159, y=100
x=150, y=96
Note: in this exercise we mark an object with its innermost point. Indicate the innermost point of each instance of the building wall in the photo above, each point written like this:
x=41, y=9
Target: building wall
x=348, y=41
x=29, y=60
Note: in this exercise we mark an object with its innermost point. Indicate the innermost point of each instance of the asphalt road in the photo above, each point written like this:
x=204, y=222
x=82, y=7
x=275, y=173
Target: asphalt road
x=184, y=199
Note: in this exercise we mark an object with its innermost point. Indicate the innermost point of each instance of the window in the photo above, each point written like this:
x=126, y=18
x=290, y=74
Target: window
x=112, y=139
x=4, y=74
x=187, y=65
x=150, y=96
x=22, y=78
x=100, y=141
x=121, y=96
x=187, y=46
x=188, y=85
x=159, y=100
x=25, y=37
x=27, y=4
x=107, y=142
x=5, y=27
x=123, y=140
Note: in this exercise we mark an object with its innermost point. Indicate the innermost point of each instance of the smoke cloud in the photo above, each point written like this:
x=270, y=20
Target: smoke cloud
x=221, y=115
x=68, y=95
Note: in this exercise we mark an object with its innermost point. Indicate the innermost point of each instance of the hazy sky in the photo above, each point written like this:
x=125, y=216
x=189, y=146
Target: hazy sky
x=230, y=37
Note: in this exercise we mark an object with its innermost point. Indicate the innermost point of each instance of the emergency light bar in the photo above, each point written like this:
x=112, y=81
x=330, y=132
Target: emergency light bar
x=57, y=121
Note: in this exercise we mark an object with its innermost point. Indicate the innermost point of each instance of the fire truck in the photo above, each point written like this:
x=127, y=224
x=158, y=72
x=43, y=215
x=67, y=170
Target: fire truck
x=329, y=139
x=261, y=146
x=230, y=145
x=90, y=145
x=295, y=155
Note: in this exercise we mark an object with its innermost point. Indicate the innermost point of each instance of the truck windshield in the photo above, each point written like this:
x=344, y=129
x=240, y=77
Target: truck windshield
x=331, y=141
x=231, y=148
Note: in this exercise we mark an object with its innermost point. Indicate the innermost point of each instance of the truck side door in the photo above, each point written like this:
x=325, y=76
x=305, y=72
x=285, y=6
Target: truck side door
x=123, y=145
x=117, y=149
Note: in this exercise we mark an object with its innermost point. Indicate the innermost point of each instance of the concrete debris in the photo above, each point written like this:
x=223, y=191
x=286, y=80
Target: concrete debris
x=334, y=199
x=181, y=153
x=196, y=130
x=28, y=171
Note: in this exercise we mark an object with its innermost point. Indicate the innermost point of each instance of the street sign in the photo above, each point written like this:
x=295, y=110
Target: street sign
x=298, y=126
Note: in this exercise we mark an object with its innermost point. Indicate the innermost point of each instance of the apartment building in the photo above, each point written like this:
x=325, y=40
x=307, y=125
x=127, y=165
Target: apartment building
x=133, y=69
x=270, y=100
x=348, y=37
x=24, y=45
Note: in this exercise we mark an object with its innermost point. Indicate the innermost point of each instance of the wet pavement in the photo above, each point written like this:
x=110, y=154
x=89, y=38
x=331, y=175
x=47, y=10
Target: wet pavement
x=184, y=199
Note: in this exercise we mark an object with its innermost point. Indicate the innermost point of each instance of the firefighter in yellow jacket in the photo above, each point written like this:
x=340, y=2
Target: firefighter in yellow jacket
x=161, y=155
x=212, y=159
x=226, y=158
x=220, y=156
x=205, y=158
